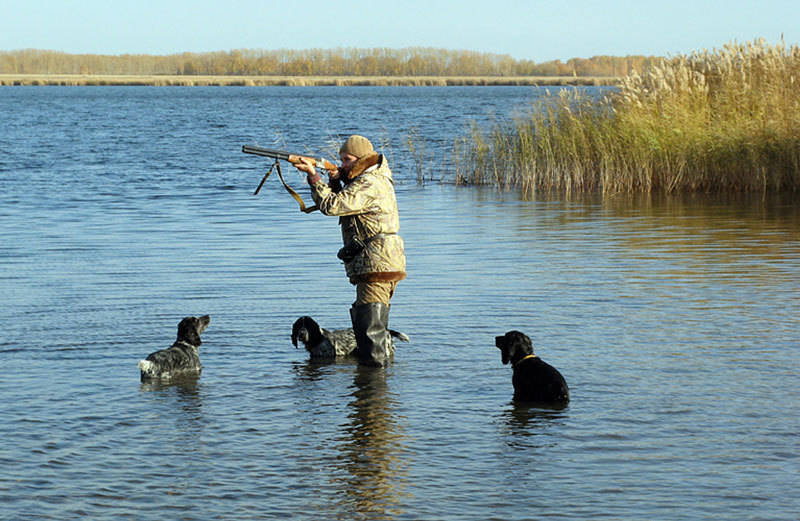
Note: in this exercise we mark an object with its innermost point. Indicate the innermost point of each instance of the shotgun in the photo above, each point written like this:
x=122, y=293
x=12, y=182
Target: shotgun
x=294, y=159
x=286, y=156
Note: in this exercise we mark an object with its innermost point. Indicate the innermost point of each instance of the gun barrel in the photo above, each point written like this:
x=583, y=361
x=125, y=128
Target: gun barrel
x=266, y=152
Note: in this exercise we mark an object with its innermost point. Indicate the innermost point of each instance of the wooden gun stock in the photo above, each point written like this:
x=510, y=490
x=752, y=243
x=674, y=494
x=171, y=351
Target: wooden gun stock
x=318, y=163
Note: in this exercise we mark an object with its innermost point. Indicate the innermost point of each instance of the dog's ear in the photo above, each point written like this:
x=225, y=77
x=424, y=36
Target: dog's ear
x=296, y=329
x=313, y=331
x=521, y=342
x=187, y=331
x=514, y=345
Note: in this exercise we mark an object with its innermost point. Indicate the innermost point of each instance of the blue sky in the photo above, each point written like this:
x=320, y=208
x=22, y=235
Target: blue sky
x=538, y=30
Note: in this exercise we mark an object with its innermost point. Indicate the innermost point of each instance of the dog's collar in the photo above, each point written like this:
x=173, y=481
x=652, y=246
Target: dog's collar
x=523, y=359
x=183, y=343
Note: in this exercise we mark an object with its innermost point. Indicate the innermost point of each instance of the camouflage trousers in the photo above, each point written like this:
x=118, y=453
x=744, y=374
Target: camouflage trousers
x=374, y=292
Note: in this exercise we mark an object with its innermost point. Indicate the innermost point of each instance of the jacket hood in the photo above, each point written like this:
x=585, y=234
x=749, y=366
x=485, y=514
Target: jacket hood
x=364, y=163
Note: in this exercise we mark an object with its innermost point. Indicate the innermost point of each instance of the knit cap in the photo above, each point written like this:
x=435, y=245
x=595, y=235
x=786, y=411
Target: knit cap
x=357, y=146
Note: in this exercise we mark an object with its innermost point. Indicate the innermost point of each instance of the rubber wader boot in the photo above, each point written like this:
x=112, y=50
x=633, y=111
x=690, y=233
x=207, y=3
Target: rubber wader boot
x=369, y=325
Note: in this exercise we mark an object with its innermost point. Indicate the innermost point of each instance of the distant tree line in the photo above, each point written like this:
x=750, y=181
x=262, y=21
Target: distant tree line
x=412, y=61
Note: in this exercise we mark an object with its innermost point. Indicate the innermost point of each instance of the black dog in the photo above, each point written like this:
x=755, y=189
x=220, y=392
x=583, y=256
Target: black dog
x=534, y=380
x=325, y=344
x=183, y=358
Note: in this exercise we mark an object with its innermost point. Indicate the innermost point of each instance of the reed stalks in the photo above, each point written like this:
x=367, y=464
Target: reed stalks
x=720, y=120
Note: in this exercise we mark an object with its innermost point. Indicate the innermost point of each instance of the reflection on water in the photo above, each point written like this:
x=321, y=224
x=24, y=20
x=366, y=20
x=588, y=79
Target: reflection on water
x=184, y=385
x=179, y=404
x=372, y=447
x=311, y=370
x=724, y=228
x=528, y=426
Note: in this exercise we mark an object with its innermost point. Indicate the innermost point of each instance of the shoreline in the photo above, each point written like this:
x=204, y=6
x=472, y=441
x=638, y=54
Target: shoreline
x=296, y=81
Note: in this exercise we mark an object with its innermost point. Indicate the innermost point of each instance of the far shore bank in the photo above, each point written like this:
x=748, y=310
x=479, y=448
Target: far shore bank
x=296, y=81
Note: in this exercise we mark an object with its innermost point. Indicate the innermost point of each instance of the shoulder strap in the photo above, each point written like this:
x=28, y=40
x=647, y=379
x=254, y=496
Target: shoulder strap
x=277, y=166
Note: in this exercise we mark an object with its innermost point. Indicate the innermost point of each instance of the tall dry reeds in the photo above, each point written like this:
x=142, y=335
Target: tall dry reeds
x=721, y=120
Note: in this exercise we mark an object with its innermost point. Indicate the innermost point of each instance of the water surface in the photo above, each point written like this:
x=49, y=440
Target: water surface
x=674, y=321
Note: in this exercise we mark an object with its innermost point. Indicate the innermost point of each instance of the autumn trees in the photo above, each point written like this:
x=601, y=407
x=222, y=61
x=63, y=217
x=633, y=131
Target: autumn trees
x=412, y=61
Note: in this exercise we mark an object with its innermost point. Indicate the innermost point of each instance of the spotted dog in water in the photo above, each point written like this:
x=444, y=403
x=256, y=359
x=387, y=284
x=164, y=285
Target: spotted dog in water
x=183, y=358
x=535, y=381
x=326, y=344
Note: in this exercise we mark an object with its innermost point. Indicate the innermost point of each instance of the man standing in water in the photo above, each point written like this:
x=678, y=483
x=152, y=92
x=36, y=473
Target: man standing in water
x=362, y=195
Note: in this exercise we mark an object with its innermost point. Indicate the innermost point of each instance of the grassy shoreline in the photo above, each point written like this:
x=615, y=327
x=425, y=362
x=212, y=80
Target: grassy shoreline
x=725, y=120
x=295, y=81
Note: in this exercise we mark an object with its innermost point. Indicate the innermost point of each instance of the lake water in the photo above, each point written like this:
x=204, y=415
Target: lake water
x=675, y=322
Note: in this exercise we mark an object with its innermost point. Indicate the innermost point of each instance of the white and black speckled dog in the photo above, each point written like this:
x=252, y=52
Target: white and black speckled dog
x=326, y=344
x=534, y=380
x=183, y=358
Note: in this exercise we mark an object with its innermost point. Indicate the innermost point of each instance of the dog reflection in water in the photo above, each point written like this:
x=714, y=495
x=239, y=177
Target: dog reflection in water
x=182, y=359
x=535, y=381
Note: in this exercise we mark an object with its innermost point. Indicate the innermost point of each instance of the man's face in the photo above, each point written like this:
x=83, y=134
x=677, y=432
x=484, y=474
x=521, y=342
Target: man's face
x=348, y=160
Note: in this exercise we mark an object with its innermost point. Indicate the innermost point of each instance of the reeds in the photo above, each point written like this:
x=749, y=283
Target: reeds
x=721, y=120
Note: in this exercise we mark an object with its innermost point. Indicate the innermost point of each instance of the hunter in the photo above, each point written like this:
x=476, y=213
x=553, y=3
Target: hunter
x=362, y=195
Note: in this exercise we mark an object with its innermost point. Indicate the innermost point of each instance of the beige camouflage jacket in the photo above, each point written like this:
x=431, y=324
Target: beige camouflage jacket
x=367, y=208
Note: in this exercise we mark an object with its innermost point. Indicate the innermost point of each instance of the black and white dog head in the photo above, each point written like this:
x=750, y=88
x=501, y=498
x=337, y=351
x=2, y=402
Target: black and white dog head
x=190, y=329
x=307, y=331
x=514, y=346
